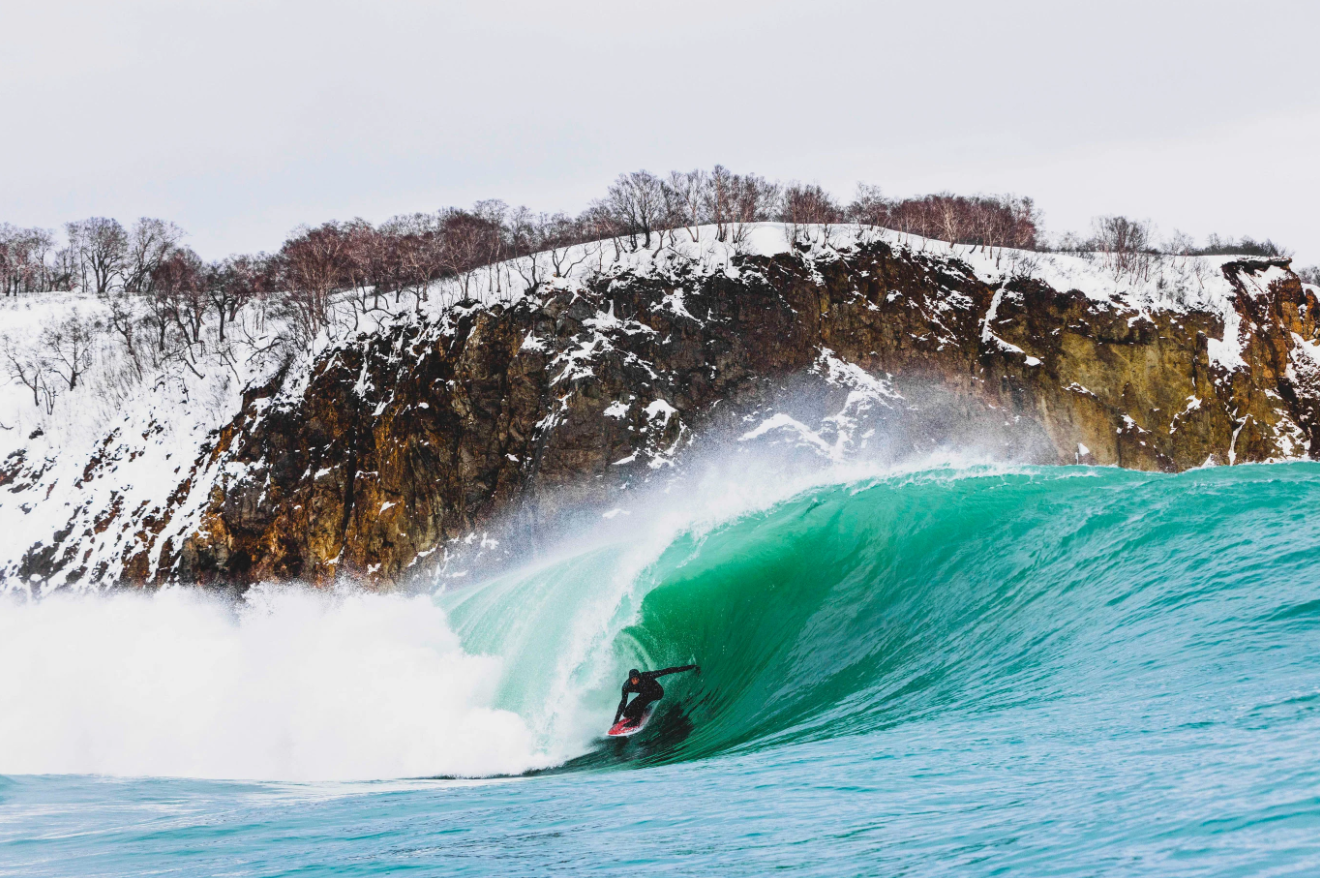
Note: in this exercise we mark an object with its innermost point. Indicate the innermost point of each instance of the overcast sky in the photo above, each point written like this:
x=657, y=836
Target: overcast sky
x=240, y=120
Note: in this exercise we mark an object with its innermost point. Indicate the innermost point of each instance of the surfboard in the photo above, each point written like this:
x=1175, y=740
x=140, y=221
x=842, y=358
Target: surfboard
x=626, y=727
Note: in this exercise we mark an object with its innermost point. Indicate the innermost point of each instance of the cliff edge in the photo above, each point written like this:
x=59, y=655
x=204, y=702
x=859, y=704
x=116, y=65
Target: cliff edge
x=373, y=456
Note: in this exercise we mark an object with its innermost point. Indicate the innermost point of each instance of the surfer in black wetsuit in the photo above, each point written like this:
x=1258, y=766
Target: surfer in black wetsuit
x=647, y=689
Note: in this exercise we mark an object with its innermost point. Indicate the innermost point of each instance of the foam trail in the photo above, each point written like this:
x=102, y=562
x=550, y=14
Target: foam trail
x=287, y=685
x=496, y=677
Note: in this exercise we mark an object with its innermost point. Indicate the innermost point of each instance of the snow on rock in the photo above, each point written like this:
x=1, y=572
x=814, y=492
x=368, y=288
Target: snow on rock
x=110, y=464
x=661, y=410
x=110, y=479
x=843, y=432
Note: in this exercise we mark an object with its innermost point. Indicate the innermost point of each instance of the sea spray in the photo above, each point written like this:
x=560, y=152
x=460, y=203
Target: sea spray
x=821, y=610
x=287, y=684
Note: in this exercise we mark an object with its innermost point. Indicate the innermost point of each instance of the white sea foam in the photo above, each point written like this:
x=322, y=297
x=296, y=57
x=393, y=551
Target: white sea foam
x=289, y=684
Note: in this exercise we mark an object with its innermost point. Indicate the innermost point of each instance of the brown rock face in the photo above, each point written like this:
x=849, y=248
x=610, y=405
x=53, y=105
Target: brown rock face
x=417, y=435
x=405, y=440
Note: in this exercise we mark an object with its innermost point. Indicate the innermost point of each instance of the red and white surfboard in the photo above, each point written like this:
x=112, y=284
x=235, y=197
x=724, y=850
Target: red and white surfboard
x=625, y=727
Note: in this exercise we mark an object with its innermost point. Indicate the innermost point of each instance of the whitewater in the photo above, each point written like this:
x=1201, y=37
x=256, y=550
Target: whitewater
x=940, y=669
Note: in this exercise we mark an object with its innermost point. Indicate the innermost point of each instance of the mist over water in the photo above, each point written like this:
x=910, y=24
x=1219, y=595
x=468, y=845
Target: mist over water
x=299, y=684
x=288, y=684
x=944, y=667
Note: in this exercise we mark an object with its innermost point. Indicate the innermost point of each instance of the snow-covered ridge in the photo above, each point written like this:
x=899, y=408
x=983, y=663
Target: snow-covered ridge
x=112, y=460
x=1170, y=283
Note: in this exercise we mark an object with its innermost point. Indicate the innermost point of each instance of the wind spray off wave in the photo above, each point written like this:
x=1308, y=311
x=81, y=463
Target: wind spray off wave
x=288, y=684
x=1072, y=599
x=929, y=596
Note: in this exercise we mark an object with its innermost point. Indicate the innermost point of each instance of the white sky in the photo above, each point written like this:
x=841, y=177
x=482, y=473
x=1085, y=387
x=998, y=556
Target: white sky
x=240, y=120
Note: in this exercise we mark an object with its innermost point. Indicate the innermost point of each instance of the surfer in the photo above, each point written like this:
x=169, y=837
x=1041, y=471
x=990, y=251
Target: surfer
x=647, y=689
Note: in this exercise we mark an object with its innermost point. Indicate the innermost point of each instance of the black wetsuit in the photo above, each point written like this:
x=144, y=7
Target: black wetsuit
x=648, y=692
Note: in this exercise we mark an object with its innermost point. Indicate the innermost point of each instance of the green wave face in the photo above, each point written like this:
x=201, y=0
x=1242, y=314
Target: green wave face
x=853, y=608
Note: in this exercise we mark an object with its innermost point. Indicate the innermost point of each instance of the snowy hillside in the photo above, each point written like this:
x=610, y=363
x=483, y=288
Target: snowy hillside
x=104, y=480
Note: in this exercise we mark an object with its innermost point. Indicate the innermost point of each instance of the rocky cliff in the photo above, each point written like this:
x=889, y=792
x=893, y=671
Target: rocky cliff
x=391, y=448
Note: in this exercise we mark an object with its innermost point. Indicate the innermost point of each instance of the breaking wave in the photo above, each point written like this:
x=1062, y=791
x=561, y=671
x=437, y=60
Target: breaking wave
x=288, y=684
x=846, y=608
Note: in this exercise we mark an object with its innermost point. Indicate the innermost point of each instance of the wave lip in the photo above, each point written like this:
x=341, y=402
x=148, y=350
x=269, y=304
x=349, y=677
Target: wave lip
x=884, y=601
x=926, y=596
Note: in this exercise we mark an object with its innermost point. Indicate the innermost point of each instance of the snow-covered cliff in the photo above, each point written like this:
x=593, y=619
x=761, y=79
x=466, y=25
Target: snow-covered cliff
x=532, y=390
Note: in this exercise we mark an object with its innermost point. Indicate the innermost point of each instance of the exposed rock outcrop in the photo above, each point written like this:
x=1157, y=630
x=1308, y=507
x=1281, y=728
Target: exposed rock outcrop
x=405, y=439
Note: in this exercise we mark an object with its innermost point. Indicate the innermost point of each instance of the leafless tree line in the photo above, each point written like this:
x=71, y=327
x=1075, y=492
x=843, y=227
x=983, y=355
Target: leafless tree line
x=168, y=305
x=101, y=255
x=1131, y=248
x=641, y=205
x=25, y=263
x=990, y=221
x=395, y=265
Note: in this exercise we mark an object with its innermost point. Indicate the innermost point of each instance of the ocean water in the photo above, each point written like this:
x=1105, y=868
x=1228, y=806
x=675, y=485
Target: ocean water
x=1062, y=671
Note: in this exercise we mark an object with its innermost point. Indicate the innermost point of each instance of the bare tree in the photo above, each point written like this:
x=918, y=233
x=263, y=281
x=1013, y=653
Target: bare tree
x=494, y=213
x=985, y=221
x=1126, y=245
x=67, y=347
x=159, y=318
x=124, y=322
x=685, y=195
x=1216, y=245
x=370, y=273
x=101, y=246
x=314, y=264
x=1179, y=244
x=180, y=286
x=755, y=200
x=23, y=255
x=869, y=208
x=418, y=256
x=637, y=200
x=563, y=237
x=468, y=240
x=26, y=368
x=233, y=283
x=384, y=257
x=721, y=196
x=1024, y=220
x=547, y=242
x=150, y=241
x=952, y=221
x=803, y=206
x=66, y=269
x=528, y=236
x=597, y=223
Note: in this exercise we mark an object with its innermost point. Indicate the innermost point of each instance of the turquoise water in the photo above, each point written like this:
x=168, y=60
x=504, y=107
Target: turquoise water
x=1046, y=672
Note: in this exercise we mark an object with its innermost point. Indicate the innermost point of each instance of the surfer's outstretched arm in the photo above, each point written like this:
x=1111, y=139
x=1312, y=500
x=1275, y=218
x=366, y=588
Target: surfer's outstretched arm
x=623, y=702
x=666, y=671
